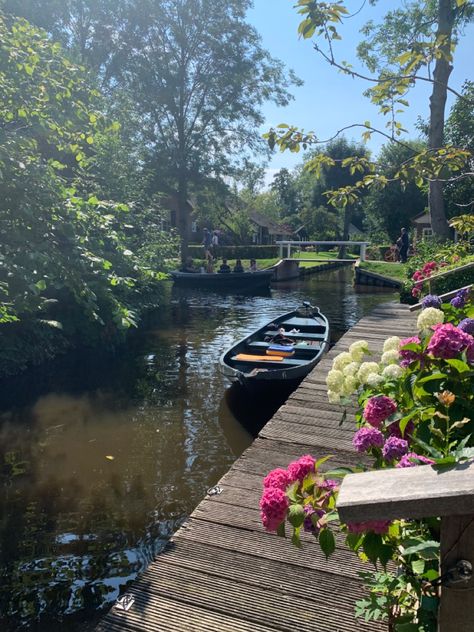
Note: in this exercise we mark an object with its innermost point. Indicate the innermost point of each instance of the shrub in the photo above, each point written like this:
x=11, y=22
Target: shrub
x=238, y=252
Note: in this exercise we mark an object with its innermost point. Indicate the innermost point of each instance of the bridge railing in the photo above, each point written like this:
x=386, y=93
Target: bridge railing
x=289, y=244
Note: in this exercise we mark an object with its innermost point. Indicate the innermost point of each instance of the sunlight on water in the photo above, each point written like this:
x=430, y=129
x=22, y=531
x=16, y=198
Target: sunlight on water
x=103, y=457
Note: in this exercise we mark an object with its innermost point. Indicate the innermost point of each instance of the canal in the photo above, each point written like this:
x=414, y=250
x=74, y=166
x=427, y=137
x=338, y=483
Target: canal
x=102, y=457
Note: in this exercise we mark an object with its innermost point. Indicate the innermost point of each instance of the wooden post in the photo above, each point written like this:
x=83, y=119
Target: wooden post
x=362, y=251
x=422, y=492
x=288, y=253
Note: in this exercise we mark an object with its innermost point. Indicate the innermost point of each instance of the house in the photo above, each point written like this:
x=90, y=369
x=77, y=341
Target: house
x=267, y=230
x=422, y=226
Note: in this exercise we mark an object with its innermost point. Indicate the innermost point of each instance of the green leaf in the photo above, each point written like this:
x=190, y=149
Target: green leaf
x=327, y=542
x=418, y=567
x=322, y=460
x=296, y=515
x=295, y=538
x=428, y=550
x=354, y=540
x=291, y=492
x=281, y=530
x=372, y=546
x=459, y=365
x=41, y=284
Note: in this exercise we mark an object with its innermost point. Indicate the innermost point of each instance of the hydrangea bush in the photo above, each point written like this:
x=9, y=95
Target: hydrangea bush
x=414, y=408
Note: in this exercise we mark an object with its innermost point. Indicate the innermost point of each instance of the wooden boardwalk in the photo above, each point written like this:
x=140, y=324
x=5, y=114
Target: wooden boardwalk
x=221, y=572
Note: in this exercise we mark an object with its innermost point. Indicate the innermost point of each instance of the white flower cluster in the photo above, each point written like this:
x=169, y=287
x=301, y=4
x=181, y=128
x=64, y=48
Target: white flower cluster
x=428, y=317
x=349, y=371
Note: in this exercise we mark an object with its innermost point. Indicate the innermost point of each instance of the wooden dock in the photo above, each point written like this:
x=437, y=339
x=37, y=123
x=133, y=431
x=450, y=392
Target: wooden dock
x=221, y=572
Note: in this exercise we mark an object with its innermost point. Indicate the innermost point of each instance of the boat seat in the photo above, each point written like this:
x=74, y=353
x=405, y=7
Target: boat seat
x=299, y=336
x=300, y=346
x=303, y=323
x=286, y=362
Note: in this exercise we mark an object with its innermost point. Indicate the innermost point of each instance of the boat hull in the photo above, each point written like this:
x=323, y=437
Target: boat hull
x=251, y=371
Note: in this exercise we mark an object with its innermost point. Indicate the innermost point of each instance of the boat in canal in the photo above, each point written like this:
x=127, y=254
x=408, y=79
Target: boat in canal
x=221, y=281
x=281, y=353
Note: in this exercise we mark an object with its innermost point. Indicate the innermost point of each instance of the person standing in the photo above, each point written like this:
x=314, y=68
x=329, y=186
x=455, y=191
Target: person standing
x=403, y=243
x=206, y=242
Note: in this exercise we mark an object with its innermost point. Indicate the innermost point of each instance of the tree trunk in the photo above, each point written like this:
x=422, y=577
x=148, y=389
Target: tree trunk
x=442, y=70
x=345, y=231
x=182, y=216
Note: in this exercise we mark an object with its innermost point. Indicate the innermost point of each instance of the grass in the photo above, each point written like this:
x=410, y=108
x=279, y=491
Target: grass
x=396, y=271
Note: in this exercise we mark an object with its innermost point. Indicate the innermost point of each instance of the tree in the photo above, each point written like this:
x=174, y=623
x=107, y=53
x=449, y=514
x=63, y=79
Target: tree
x=199, y=78
x=408, y=43
x=390, y=208
x=286, y=192
x=62, y=249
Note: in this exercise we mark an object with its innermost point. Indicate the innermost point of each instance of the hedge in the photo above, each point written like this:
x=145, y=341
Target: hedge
x=237, y=252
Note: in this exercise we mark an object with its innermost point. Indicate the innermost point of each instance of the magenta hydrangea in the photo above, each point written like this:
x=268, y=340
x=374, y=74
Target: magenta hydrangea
x=377, y=526
x=377, y=409
x=407, y=356
x=277, y=478
x=297, y=470
x=448, y=341
x=366, y=438
x=467, y=325
x=394, y=448
x=412, y=460
x=273, y=507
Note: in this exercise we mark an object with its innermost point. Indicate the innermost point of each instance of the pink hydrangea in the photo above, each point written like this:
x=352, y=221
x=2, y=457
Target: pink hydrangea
x=429, y=268
x=377, y=526
x=418, y=276
x=377, y=409
x=410, y=460
x=448, y=341
x=394, y=448
x=277, y=478
x=366, y=438
x=407, y=356
x=273, y=507
x=297, y=470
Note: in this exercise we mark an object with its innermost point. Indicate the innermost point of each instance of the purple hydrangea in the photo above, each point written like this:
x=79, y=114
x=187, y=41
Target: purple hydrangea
x=467, y=325
x=406, y=355
x=412, y=460
x=308, y=524
x=377, y=526
x=394, y=448
x=431, y=300
x=393, y=429
x=366, y=438
x=459, y=301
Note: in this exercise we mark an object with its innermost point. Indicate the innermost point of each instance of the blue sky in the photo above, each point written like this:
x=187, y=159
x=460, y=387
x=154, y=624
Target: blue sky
x=329, y=100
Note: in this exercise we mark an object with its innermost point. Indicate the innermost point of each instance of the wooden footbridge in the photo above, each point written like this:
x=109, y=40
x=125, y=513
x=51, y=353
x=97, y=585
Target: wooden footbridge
x=221, y=572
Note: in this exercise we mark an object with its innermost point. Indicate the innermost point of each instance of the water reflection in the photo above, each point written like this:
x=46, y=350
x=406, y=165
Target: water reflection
x=102, y=457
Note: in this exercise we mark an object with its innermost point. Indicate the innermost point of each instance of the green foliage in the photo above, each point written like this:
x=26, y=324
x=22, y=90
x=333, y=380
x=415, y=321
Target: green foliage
x=238, y=252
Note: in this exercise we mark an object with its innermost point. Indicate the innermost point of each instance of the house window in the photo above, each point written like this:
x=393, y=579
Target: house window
x=427, y=233
x=194, y=227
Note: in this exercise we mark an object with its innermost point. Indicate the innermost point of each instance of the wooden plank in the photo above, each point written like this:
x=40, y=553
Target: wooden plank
x=222, y=572
x=414, y=492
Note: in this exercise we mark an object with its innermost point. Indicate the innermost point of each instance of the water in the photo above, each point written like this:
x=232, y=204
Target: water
x=103, y=457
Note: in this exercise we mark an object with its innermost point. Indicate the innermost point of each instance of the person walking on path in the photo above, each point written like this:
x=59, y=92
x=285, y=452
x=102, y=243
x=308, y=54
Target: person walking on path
x=403, y=243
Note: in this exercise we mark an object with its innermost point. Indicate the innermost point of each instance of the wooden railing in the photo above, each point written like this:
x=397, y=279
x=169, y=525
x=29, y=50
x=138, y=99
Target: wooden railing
x=422, y=492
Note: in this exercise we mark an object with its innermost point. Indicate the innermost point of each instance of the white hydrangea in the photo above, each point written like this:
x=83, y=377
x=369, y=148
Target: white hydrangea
x=357, y=355
x=341, y=360
x=350, y=386
x=335, y=380
x=334, y=398
x=391, y=344
x=359, y=345
x=374, y=379
x=351, y=369
x=390, y=357
x=429, y=317
x=366, y=369
x=392, y=372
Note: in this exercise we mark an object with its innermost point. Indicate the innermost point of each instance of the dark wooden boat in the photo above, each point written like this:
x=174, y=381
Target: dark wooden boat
x=231, y=280
x=250, y=363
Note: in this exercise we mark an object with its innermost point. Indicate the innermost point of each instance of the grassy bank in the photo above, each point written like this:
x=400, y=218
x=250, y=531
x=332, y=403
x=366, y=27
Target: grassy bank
x=395, y=271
